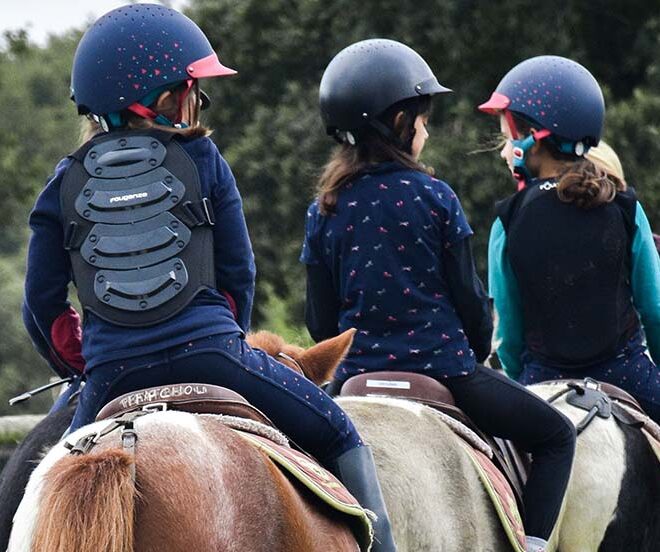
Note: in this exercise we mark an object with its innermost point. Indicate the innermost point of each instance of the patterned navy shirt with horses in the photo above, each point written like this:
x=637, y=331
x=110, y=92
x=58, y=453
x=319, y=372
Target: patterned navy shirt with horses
x=385, y=221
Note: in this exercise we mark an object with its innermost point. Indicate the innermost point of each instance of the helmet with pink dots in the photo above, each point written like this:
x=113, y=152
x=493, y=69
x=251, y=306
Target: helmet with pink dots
x=134, y=51
x=556, y=94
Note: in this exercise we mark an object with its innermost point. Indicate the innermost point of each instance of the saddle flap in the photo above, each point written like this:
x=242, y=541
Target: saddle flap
x=402, y=385
x=590, y=399
x=323, y=484
x=195, y=398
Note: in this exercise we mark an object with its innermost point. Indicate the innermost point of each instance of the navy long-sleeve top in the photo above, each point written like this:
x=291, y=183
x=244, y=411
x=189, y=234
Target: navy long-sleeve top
x=394, y=262
x=54, y=326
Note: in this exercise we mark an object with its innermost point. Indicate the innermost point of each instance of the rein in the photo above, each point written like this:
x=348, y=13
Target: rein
x=298, y=365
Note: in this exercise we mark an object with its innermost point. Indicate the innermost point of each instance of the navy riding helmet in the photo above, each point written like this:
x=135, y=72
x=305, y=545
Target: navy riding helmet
x=366, y=78
x=557, y=96
x=135, y=50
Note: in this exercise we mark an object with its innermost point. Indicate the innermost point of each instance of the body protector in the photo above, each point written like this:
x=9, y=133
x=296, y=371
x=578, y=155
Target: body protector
x=137, y=227
x=572, y=268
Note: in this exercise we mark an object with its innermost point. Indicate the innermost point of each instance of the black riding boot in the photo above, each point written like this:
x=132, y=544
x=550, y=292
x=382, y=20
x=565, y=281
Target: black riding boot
x=357, y=471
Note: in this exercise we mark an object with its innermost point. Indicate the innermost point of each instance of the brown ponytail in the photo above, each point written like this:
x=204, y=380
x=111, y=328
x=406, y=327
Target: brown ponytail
x=588, y=186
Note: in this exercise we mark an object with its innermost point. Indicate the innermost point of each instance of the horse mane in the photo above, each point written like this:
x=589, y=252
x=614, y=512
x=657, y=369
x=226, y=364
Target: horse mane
x=88, y=504
x=319, y=362
x=267, y=341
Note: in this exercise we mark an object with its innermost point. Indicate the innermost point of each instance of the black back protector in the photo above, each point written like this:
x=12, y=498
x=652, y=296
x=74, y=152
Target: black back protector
x=572, y=267
x=137, y=227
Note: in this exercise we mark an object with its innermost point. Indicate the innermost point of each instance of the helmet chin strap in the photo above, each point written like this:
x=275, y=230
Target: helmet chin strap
x=148, y=113
x=520, y=148
x=390, y=135
x=387, y=133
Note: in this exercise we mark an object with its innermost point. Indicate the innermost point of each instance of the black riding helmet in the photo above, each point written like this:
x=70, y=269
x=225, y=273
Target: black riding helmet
x=365, y=79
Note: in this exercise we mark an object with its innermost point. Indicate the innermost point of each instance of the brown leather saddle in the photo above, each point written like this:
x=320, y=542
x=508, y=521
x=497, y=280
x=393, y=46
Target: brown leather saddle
x=197, y=398
x=425, y=390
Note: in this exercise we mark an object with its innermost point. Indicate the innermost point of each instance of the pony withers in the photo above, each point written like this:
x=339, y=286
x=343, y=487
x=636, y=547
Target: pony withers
x=185, y=465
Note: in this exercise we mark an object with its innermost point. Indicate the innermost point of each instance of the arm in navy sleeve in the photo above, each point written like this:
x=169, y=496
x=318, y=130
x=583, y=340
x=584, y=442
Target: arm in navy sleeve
x=468, y=297
x=321, y=305
x=235, y=270
x=51, y=321
x=40, y=343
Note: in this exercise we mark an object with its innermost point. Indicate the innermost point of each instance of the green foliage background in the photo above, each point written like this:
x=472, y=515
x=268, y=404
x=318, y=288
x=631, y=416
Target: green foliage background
x=268, y=128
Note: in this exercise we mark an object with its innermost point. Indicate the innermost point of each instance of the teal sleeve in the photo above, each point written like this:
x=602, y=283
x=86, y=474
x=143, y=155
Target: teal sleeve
x=509, y=334
x=645, y=281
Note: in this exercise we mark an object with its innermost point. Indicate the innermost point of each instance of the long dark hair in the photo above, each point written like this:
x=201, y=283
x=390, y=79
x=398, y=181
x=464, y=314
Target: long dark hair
x=580, y=182
x=372, y=147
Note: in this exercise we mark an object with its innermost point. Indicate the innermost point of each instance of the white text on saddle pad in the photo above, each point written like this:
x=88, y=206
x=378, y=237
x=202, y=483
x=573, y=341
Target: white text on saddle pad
x=169, y=392
x=388, y=384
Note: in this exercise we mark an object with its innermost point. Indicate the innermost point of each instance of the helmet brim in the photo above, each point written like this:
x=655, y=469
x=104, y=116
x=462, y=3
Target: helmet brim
x=496, y=104
x=431, y=87
x=209, y=66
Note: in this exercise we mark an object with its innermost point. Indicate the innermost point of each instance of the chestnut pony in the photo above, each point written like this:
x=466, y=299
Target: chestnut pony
x=199, y=487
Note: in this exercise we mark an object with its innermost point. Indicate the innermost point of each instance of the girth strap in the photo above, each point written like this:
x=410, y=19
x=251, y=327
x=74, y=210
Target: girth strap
x=128, y=436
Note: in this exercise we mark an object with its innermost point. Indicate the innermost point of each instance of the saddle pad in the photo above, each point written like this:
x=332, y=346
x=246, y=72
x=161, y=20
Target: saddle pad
x=320, y=482
x=500, y=492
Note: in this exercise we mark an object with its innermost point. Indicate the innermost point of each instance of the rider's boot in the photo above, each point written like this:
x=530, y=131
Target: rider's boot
x=534, y=544
x=357, y=471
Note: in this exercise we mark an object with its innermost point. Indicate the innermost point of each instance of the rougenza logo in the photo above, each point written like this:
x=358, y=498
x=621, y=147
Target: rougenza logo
x=129, y=197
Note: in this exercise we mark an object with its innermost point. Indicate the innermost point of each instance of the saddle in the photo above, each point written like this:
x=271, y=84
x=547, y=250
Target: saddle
x=499, y=465
x=425, y=390
x=597, y=398
x=605, y=400
x=195, y=398
x=247, y=421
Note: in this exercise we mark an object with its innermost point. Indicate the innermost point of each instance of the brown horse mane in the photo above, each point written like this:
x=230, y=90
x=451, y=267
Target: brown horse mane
x=318, y=363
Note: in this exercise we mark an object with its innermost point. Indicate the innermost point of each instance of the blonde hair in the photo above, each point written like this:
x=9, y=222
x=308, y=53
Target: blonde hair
x=605, y=157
